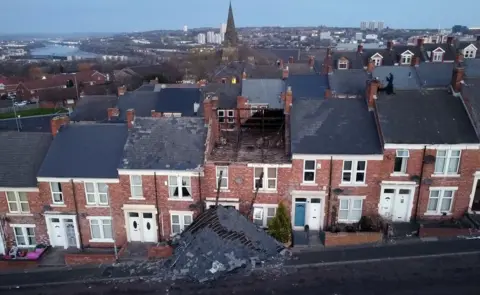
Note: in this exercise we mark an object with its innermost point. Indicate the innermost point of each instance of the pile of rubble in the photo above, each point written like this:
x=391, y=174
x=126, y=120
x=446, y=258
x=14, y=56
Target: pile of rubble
x=221, y=240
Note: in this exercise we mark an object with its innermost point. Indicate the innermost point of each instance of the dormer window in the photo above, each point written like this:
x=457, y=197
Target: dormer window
x=377, y=59
x=343, y=64
x=437, y=55
x=470, y=51
x=406, y=58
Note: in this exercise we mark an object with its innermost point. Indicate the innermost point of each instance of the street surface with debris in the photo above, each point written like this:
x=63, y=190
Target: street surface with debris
x=433, y=275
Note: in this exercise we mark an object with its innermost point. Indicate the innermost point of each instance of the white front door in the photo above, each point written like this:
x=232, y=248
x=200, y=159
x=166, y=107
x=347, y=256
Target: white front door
x=386, y=202
x=148, y=228
x=400, y=208
x=2, y=244
x=134, y=226
x=58, y=233
x=314, y=210
x=70, y=233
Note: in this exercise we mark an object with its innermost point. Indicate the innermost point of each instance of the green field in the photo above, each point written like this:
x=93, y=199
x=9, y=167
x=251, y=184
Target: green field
x=31, y=112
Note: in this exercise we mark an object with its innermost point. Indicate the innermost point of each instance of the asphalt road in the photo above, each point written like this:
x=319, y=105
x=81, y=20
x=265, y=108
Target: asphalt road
x=433, y=275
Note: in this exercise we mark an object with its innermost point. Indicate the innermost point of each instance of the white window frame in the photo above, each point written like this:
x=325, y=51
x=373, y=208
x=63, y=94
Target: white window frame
x=136, y=185
x=305, y=170
x=469, y=53
x=221, y=115
x=179, y=186
x=100, y=220
x=265, y=179
x=224, y=176
x=448, y=157
x=353, y=172
x=60, y=193
x=342, y=65
x=437, y=56
x=25, y=235
x=255, y=108
x=181, y=219
x=406, y=59
x=441, y=197
x=377, y=61
x=404, y=155
x=17, y=202
x=350, y=202
x=96, y=194
x=230, y=116
x=260, y=212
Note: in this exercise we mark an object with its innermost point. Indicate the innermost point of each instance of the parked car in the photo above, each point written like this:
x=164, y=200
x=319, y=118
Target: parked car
x=20, y=104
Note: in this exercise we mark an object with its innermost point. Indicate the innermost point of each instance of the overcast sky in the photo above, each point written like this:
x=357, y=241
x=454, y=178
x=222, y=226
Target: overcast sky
x=67, y=16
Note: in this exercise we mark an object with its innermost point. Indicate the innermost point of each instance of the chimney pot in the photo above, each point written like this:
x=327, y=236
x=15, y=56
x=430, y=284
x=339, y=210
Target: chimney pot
x=450, y=40
x=372, y=90
x=285, y=73
x=370, y=66
x=420, y=42
x=57, y=122
x=121, y=90
x=311, y=61
x=290, y=60
x=360, y=48
x=288, y=100
x=112, y=113
x=130, y=118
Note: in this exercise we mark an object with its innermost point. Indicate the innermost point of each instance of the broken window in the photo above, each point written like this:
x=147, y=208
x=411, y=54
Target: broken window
x=350, y=209
x=401, y=160
x=180, y=221
x=179, y=187
x=230, y=116
x=224, y=180
x=354, y=172
x=269, y=178
x=262, y=214
x=309, y=171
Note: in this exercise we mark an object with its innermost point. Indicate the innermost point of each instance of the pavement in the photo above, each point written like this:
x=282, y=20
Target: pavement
x=151, y=272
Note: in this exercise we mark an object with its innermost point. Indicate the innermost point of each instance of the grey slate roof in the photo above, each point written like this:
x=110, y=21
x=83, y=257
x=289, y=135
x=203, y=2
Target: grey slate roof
x=264, y=91
x=21, y=154
x=430, y=47
x=142, y=102
x=332, y=127
x=309, y=86
x=28, y=124
x=404, y=77
x=472, y=67
x=356, y=60
x=85, y=150
x=93, y=108
x=283, y=54
x=434, y=75
x=348, y=81
x=227, y=94
x=179, y=100
x=165, y=144
x=146, y=87
x=263, y=71
x=471, y=96
x=424, y=117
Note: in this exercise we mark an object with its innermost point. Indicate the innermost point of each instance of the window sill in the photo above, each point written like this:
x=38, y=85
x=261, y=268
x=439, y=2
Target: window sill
x=222, y=191
x=96, y=206
x=101, y=241
x=398, y=174
x=445, y=175
x=58, y=205
x=437, y=214
x=19, y=214
x=308, y=184
x=266, y=191
x=136, y=199
x=347, y=221
x=181, y=199
x=353, y=185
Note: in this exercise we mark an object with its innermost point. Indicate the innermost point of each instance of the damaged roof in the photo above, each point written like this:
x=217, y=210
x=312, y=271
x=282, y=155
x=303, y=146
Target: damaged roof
x=264, y=91
x=179, y=100
x=424, y=117
x=85, y=150
x=21, y=154
x=333, y=127
x=404, y=77
x=165, y=144
x=348, y=82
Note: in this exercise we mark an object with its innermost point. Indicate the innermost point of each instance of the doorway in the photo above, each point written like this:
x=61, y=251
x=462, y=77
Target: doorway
x=63, y=231
x=142, y=227
x=396, y=203
x=308, y=211
x=475, y=206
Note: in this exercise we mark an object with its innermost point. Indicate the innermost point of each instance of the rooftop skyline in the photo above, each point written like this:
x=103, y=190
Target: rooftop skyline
x=56, y=16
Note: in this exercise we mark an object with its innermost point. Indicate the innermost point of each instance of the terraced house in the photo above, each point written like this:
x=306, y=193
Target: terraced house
x=397, y=138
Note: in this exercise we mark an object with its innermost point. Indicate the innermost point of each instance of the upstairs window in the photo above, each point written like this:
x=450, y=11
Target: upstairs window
x=269, y=178
x=97, y=194
x=224, y=180
x=343, y=64
x=437, y=57
x=136, y=187
x=57, y=195
x=179, y=187
x=401, y=160
x=309, y=171
x=17, y=202
x=447, y=162
x=354, y=172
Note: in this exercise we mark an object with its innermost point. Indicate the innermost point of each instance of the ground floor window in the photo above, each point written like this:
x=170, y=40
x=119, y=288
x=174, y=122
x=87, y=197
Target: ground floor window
x=263, y=214
x=180, y=221
x=350, y=209
x=101, y=229
x=24, y=235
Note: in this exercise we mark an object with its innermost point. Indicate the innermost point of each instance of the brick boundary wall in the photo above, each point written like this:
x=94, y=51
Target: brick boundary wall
x=92, y=258
x=445, y=232
x=345, y=239
x=155, y=252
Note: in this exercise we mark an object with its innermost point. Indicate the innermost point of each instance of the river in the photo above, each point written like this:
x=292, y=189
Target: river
x=61, y=50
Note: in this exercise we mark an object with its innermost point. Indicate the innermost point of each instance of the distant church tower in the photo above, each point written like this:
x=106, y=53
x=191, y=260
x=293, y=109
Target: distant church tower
x=230, y=50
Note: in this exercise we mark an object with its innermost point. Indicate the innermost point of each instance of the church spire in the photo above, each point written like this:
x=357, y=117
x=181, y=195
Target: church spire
x=231, y=32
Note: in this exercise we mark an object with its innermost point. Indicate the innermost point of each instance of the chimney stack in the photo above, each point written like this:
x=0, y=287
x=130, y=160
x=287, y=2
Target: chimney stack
x=328, y=93
x=372, y=90
x=457, y=78
x=285, y=73
x=57, y=122
x=450, y=40
x=415, y=61
x=360, y=48
x=121, y=90
x=390, y=45
x=329, y=51
x=370, y=66
x=112, y=113
x=420, y=42
x=311, y=61
x=130, y=118
x=290, y=60
x=209, y=107
x=244, y=75
x=459, y=57
x=288, y=100
x=281, y=64
x=478, y=38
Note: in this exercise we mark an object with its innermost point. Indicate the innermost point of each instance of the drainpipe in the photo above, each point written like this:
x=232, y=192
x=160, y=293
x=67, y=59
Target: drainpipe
x=156, y=204
x=74, y=195
x=329, y=190
x=420, y=184
x=200, y=192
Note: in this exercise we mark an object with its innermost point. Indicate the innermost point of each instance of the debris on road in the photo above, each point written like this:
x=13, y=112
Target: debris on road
x=219, y=241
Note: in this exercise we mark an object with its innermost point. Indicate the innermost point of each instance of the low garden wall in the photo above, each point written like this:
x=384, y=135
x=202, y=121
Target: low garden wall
x=156, y=252
x=90, y=257
x=18, y=264
x=352, y=238
x=445, y=232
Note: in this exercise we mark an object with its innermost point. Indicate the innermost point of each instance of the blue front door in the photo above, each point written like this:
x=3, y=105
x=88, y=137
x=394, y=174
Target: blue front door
x=299, y=214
